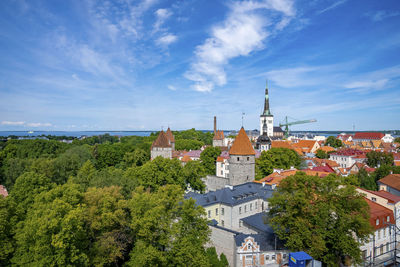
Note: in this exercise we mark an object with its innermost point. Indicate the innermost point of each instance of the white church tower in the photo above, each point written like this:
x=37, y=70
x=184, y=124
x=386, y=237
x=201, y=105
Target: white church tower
x=266, y=117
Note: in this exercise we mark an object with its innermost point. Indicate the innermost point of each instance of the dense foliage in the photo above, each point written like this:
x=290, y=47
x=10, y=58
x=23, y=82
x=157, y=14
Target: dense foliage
x=333, y=142
x=276, y=158
x=321, y=154
x=100, y=201
x=324, y=217
x=376, y=158
x=208, y=158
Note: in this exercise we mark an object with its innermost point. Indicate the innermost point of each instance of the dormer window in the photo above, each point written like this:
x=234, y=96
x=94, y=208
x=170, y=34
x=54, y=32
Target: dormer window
x=377, y=221
x=373, y=199
x=388, y=218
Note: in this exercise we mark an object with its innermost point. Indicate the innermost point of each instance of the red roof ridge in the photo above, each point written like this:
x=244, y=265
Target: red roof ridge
x=161, y=141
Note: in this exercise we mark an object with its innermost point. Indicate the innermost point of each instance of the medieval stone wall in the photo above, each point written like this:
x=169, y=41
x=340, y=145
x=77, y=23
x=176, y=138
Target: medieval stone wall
x=165, y=152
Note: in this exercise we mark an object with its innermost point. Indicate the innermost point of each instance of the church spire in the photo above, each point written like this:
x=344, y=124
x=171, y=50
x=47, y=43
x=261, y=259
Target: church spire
x=266, y=101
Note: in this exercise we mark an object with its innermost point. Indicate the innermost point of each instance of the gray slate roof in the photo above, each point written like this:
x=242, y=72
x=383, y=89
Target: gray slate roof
x=256, y=222
x=231, y=197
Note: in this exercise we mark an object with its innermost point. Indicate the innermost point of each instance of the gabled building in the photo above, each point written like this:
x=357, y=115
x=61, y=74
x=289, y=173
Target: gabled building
x=347, y=157
x=307, y=146
x=263, y=141
x=163, y=146
x=390, y=183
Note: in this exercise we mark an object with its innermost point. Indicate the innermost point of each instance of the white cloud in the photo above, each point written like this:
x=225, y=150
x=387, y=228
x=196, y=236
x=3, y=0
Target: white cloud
x=381, y=15
x=334, y=5
x=162, y=15
x=39, y=124
x=242, y=32
x=365, y=85
x=13, y=123
x=171, y=87
x=167, y=39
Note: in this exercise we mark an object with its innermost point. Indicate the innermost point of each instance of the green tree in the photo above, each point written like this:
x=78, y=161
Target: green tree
x=376, y=158
x=397, y=140
x=366, y=180
x=321, y=154
x=209, y=157
x=84, y=175
x=278, y=158
x=135, y=158
x=7, y=229
x=214, y=260
x=107, y=219
x=333, y=142
x=167, y=229
x=324, y=217
x=68, y=163
x=192, y=173
x=185, y=144
x=54, y=232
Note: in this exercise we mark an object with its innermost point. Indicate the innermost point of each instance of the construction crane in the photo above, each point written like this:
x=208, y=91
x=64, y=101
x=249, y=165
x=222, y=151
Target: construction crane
x=287, y=124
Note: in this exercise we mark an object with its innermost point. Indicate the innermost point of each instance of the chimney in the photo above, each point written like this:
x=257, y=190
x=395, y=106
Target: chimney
x=263, y=184
x=215, y=124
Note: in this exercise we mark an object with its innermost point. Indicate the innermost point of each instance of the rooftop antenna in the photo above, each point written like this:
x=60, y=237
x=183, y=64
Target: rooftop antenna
x=242, y=118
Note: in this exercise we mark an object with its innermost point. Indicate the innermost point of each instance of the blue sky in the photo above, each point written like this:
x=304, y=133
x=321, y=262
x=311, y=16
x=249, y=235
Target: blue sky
x=135, y=65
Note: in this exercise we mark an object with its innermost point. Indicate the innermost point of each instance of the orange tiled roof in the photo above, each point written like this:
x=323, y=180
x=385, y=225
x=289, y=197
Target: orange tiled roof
x=392, y=180
x=276, y=178
x=397, y=163
x=219, y=135
x=186, y=158
x=161, y=141
x=242, y=145
x=3, y=191
x=170, y=136
x=305, y=144
x=327, y=148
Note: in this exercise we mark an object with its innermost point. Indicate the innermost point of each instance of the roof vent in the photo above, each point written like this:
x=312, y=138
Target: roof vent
x=229, y=186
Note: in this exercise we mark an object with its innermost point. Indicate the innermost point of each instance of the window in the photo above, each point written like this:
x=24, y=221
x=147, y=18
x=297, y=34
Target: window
x=273, y=257
x=255, y=205
x=216, y=212
x=222, y=223
x=379, y=234
x=373, y=199
x=364, y=254
x=240, y=210
x=384, y=232
x=284, y=255
x=377, y=222
x=248, y=246
x=251, y=206
x=209, y=214
x=248, y=158
x=240, y=223
x=222, y=172
x=266, y=257
x=238, y=159
x=388, y=218
x=245, y=208
x=222, y=211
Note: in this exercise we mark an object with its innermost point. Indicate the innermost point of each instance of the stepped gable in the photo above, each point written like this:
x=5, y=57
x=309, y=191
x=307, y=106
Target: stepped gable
x=170, y=136
x=161, y=141
x=242, y=145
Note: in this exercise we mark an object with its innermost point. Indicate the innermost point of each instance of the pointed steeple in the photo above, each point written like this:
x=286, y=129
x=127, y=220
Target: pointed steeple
x=266, y=102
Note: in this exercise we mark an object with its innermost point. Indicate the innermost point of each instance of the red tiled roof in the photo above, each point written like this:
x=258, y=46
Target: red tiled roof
x=219, y=135
x=378, y=212
x=348, y=152
x=325, y=168
x=386, y=195
x=186, y=158
x=170, y=136
x=161, y=141
x=370, y=136
x=242, y=145
x=392, y=180
x=3, y=191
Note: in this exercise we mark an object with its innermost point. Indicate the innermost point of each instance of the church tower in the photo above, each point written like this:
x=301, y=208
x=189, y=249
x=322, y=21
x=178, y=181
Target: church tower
x=266, y=117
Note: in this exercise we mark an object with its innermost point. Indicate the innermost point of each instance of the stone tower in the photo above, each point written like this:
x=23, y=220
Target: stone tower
x=266, y=117
x=241, y=160
x=161, y=147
